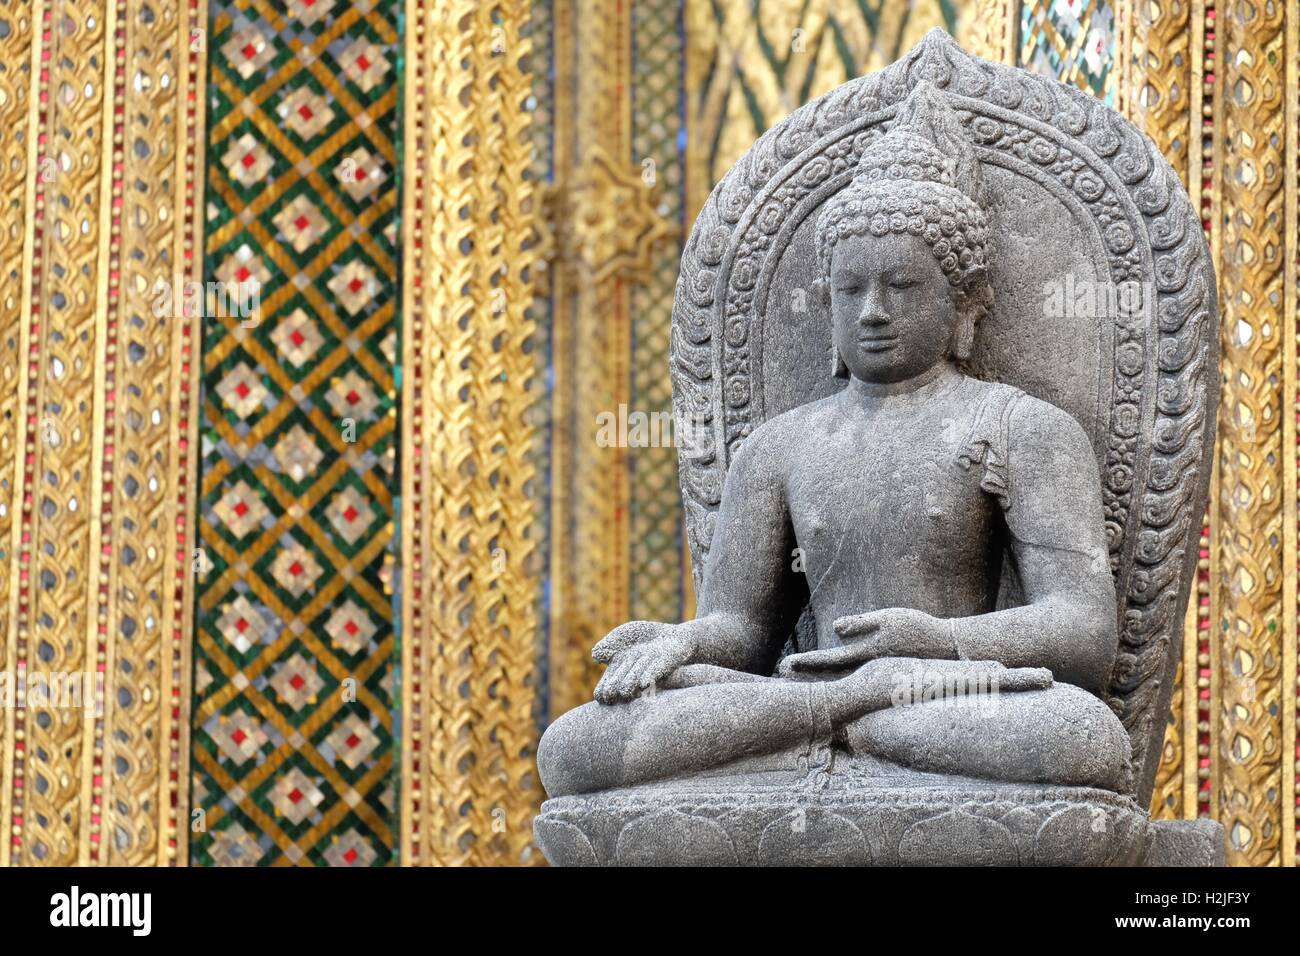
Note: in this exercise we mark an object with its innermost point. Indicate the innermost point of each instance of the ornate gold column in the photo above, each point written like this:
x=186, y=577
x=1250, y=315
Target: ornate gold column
x=1290, y=683
x=607, y=227
x=1254, y=597
x=19, y=118
x=100, y=145
x=592, y=345
x=470, y=586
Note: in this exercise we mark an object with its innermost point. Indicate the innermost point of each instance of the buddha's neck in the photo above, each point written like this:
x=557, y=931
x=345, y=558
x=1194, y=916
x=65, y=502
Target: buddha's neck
x=909, y=391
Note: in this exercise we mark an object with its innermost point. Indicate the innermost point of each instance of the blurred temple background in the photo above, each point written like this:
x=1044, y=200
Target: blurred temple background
x=340, y=541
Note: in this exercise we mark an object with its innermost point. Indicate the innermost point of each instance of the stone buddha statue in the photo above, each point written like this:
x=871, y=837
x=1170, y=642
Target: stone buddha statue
x=909, y=645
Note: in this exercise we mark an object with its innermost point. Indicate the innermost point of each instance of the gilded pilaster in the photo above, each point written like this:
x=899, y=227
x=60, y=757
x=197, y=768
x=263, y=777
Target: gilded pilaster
x=470, y=593
x=55, y=624
x=1289, y=691
x=1251, y=608
x=20, y=112
x=98, y=107
x=150, y=436
x=608, y=229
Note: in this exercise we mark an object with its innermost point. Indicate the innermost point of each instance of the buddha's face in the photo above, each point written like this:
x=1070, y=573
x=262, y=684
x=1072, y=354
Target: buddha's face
x=893, y=310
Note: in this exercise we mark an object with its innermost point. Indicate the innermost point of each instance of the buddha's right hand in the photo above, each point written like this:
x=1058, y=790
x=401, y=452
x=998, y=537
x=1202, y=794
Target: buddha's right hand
x=889, y=681
x=639, y=654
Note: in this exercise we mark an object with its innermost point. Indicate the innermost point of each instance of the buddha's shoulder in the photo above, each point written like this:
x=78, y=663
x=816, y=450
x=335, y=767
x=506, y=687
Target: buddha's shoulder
x=799, y=424
x=789, y=435
x=1027, y=422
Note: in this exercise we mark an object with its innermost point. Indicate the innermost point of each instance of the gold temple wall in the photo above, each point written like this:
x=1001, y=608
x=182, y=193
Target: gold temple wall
x=550, y=157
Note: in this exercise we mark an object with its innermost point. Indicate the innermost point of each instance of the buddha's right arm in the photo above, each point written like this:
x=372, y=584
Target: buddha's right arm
x=751, y=594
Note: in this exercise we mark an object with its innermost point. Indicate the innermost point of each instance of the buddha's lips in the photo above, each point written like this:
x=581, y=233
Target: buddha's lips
x=878, y=343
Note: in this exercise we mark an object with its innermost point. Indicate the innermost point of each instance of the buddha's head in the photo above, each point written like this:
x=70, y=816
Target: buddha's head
x=902, y=249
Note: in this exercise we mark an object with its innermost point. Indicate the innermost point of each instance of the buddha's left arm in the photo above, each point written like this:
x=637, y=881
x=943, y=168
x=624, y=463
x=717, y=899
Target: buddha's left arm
x=1058, y=543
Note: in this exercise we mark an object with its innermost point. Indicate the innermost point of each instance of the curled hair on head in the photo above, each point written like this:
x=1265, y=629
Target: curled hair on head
x=922, y=177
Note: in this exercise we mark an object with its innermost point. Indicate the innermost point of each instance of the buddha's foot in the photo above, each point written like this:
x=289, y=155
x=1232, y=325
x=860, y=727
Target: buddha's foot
x=893, y=682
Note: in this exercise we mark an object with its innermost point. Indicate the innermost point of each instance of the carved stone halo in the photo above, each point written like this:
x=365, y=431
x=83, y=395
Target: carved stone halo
x=1063, y=170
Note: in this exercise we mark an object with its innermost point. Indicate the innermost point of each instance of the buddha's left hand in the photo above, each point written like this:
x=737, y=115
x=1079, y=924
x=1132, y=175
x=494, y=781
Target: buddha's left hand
x=889, y=632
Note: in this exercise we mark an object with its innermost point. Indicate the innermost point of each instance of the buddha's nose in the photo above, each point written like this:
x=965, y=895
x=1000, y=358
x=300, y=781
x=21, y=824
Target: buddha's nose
x=873, y=311
x=872, y=315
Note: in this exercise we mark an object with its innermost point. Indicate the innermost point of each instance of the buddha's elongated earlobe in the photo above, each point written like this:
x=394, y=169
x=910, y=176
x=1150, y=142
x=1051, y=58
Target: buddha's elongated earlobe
x=963, y=336
x=838, y=368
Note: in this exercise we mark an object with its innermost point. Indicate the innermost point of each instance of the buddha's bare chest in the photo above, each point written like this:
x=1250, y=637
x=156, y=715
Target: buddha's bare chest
x=888, y=515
